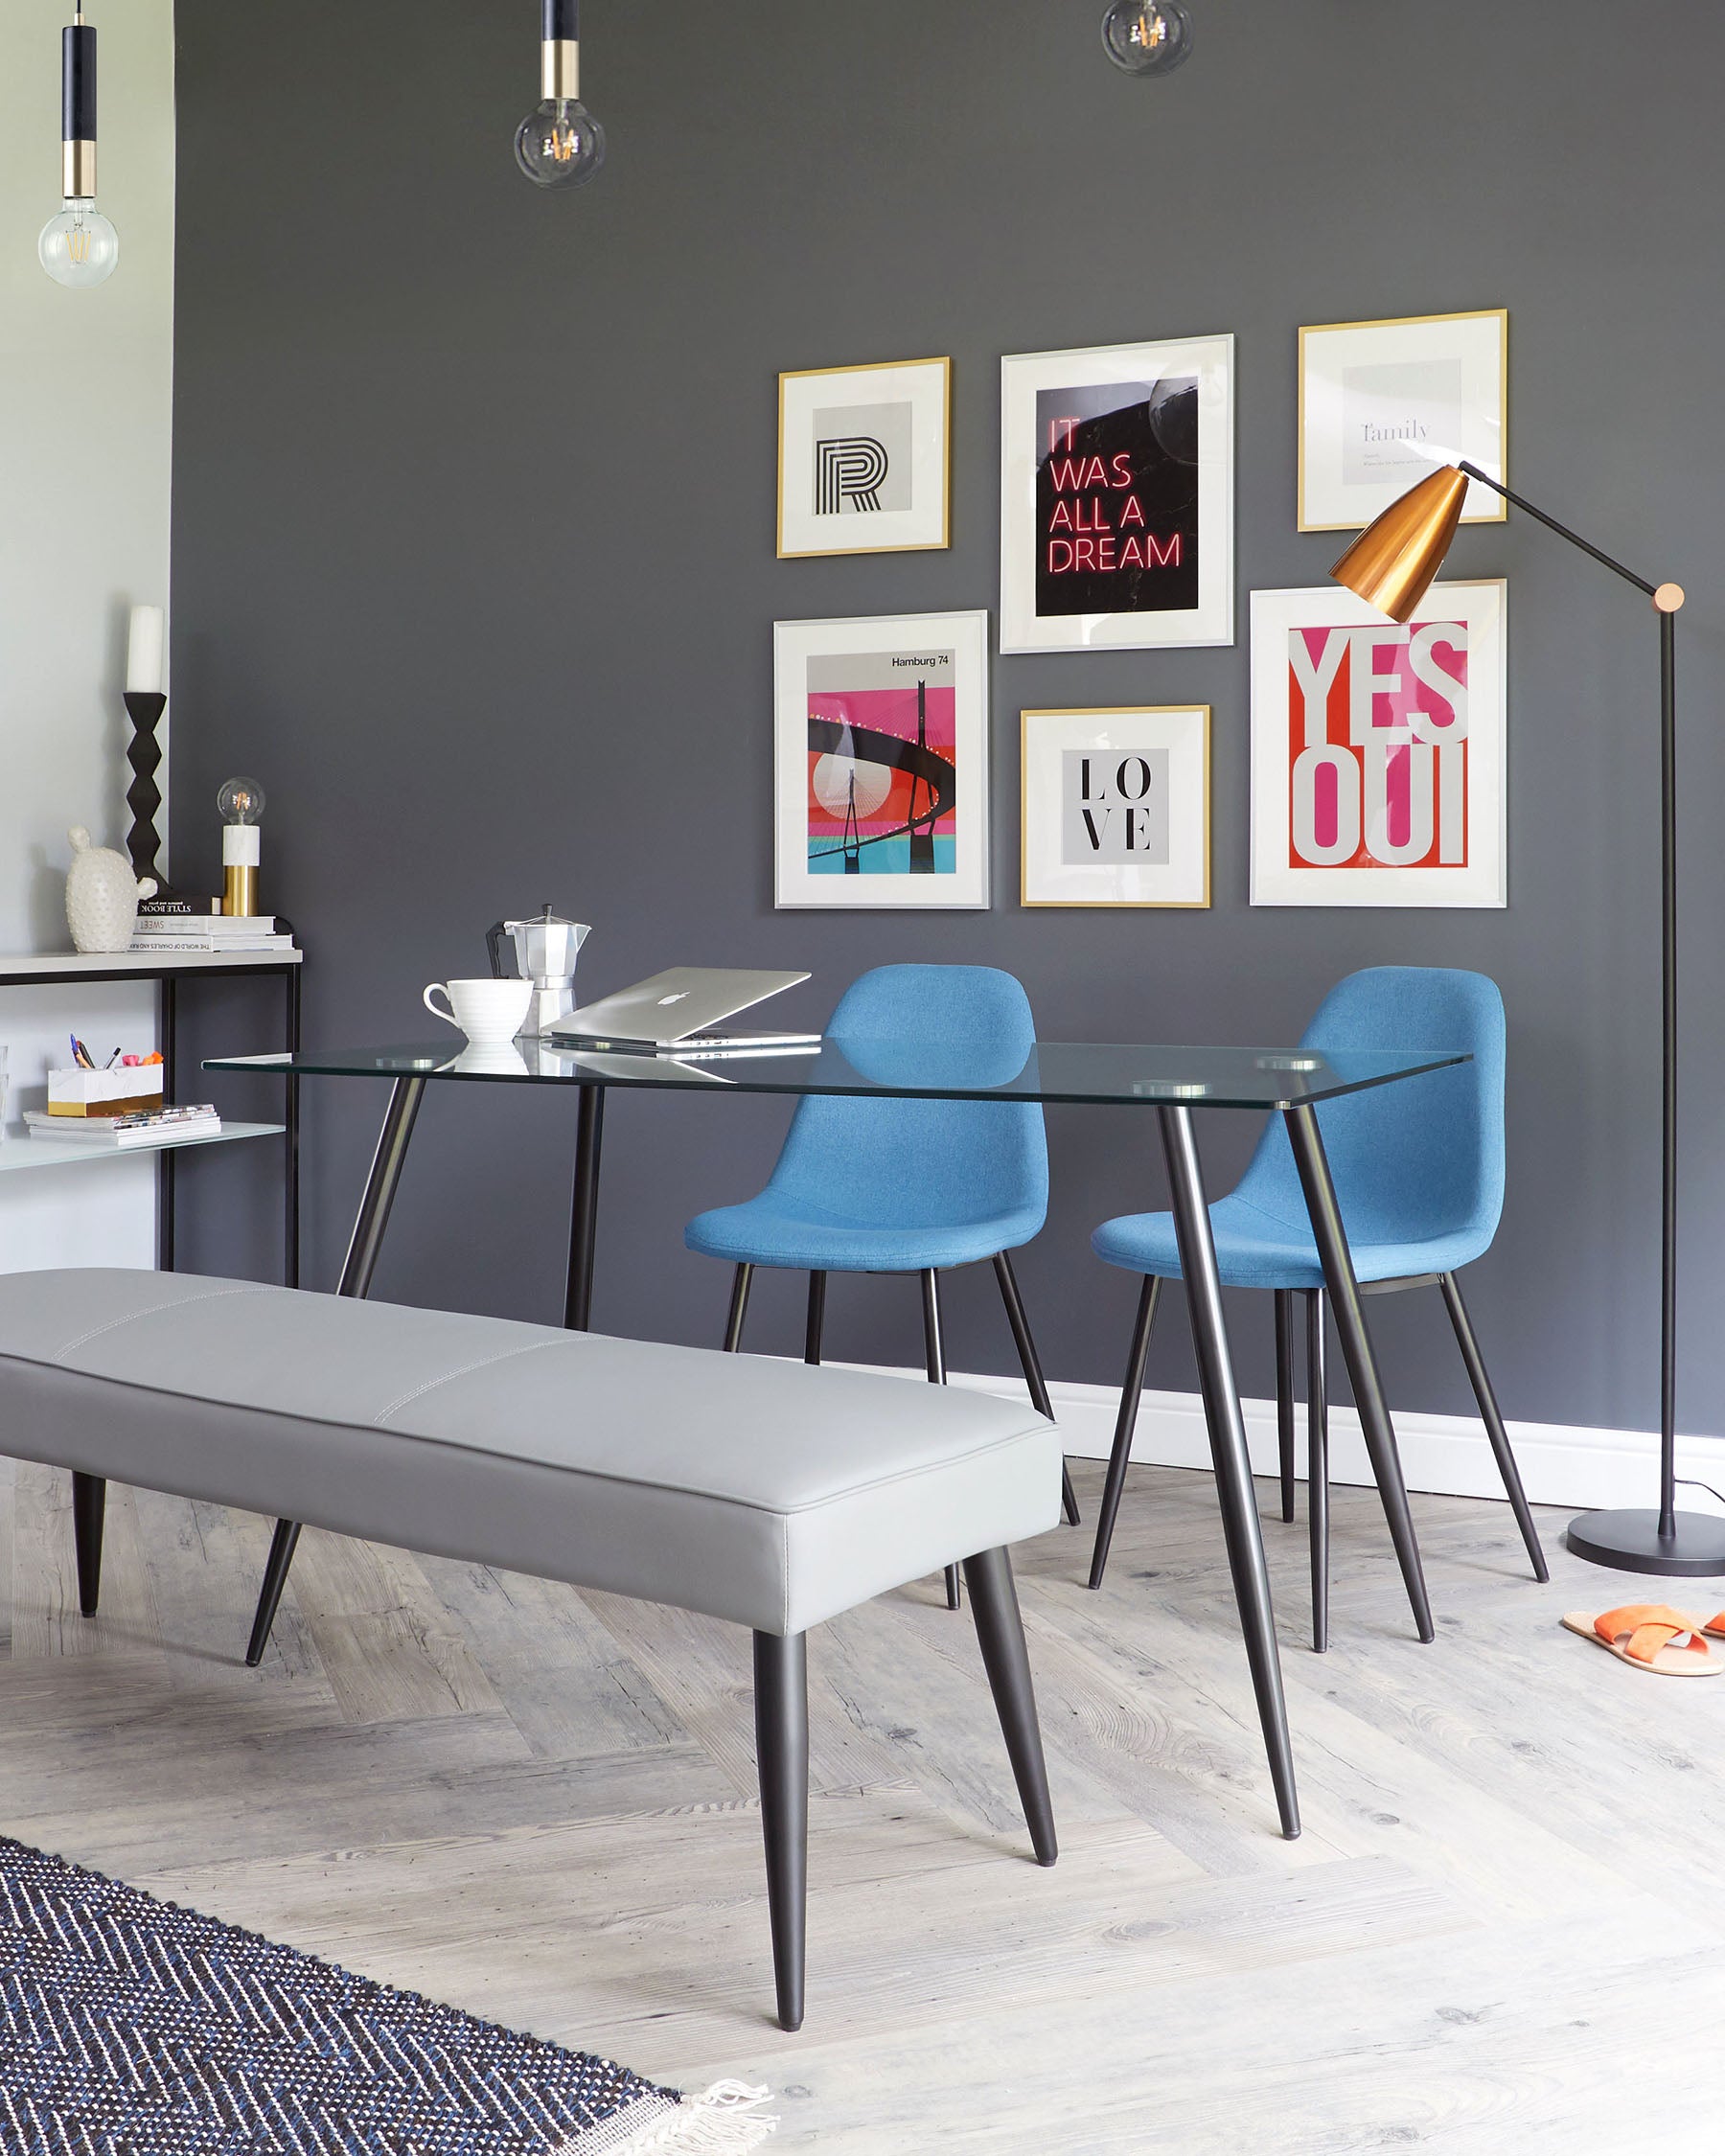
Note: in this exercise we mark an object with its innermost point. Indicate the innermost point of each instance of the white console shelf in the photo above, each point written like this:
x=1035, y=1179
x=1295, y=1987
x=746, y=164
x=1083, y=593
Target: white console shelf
x=19, y=1153
x=148, y=965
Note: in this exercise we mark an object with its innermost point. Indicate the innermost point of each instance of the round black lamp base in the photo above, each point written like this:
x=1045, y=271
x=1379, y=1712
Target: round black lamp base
x=1630, y=1542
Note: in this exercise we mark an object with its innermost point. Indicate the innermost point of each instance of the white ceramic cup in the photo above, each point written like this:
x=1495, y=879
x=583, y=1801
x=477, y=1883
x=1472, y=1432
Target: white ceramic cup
x=491, y=1013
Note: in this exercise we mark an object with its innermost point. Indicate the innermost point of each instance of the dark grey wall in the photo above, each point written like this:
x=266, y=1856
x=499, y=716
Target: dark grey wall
x=474, y=566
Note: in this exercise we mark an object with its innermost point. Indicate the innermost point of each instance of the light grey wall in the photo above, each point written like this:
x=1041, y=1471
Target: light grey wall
x=85, y=405
x=474, y=567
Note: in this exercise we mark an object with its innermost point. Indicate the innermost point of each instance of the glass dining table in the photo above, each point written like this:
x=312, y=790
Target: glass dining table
x=1171, y=1082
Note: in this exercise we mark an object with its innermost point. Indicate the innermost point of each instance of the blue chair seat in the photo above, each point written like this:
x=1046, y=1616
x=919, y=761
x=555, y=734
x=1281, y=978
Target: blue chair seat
x=807, y=1238
x=1254, y=1250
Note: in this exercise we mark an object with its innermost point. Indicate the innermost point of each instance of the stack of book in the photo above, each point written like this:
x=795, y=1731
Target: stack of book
x=162, y=1126
x=209, y=932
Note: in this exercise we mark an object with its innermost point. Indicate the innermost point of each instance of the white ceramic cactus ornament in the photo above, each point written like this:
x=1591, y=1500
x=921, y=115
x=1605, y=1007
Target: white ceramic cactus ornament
x=101, y=895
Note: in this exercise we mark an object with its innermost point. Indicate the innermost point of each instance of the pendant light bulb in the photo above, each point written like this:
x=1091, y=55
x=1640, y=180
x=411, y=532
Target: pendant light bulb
x=1148, y=36
x=78, y=248
x=559, y=144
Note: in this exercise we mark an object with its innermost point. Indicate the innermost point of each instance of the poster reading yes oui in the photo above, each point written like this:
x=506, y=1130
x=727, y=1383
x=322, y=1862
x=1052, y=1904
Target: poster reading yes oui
x=1378, y=751
x=1116, y=496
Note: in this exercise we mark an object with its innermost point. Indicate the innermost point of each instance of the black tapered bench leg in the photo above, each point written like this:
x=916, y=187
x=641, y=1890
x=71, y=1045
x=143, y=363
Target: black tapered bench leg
x=1001, y=1632
x=281, y=1546
x=1125, y=1423
x=1284, y=1396
x=1030, y=1362
x=781, y=1689
x=89, y=1509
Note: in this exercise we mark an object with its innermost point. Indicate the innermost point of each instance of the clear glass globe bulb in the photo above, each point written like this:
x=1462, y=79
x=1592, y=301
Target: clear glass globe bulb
x=1148, y=36
x=559, y=144
x=240, y=801
x=80, y=247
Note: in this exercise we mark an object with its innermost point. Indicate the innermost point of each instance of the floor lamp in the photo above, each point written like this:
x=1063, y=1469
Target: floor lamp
x=1391, y=565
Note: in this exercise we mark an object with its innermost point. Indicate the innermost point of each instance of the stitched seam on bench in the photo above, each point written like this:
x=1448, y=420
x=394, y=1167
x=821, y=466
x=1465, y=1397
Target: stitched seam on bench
x=132, y=1317
x=467, y=1369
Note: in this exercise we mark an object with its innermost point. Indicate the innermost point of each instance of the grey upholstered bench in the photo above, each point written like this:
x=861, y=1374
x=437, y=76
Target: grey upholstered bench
x=766, y=1493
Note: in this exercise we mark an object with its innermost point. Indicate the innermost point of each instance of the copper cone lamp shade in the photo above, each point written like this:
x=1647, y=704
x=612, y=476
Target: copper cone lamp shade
x=1391, y=563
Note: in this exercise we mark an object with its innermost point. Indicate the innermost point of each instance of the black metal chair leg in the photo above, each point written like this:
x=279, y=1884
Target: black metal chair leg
x=1001, y=1632
x=89, y=1511
x=1125, y=1422
x=1031, y=1364
x=817, y=1326
x=1479, y=1378
x=1318, y=1496
x=281, y=1546
x=781, y=1705
x=1284, y=1395
x=741, y=1284
x=935, y=1356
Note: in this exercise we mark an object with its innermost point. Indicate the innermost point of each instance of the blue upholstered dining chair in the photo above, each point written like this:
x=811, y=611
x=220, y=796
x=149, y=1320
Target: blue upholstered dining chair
x=897, y=1185
x=1419, y=1169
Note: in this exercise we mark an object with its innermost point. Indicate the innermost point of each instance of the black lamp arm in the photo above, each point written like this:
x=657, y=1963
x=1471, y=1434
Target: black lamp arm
x=1563, y=531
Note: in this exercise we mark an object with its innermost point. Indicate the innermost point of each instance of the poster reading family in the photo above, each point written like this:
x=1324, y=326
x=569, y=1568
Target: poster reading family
x=882, y=785
x=1117, y=497
x=1378, y=751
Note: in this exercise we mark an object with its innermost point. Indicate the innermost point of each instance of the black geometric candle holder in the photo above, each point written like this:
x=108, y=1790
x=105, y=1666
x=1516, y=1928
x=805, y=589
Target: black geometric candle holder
x=144, y=797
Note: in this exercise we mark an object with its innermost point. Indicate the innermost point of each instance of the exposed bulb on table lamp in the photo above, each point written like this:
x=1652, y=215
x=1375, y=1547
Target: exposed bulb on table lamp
x=559, y=144
x=78, y=248
x=241, y=802
x=1148, y=36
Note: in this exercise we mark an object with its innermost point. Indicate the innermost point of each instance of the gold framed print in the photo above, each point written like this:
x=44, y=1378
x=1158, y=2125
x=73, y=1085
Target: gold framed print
x=1382, y=403
x=1117, y=806
x=865, y=459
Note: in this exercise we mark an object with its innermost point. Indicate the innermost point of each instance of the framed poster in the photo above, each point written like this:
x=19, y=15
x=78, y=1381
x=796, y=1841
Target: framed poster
x=1378, y=752
x=1117, y=806
x=881, y=762
x=1117, y=497
x=1382, y=403
x=864, y=462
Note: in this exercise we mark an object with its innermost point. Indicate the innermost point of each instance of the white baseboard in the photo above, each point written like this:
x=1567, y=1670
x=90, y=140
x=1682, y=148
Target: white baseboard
x=1445, y=1455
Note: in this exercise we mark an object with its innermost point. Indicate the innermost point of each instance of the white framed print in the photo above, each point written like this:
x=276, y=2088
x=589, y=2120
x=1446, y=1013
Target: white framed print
x=1378, y=752
x=1381, y=403
x=881, y=762
x=1117, y=806
x=1117, y=497
x=865, y=459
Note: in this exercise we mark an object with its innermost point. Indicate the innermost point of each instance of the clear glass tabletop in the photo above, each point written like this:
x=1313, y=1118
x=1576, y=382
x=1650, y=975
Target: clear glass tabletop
x=1093, y=1073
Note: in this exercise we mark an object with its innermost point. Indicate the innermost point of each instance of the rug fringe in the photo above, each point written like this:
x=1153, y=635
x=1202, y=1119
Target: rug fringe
x=726, y=2121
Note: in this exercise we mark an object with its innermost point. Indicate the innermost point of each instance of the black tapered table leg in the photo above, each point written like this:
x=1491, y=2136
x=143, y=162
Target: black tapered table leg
x=1125, y=1423
x=817, y=1326
x=1228, y=1447
x=358, y=1271
x=1326, y=1213
x=281, y=1546
x=584, y=1210
x=89, y=1511
x=1031, y=1362
x=290, y=1172
x=742, y=1281
x=934, y=1356
x=1480, y=1378
x=781, y=1704
x=1001, y=1634
x=1318, y=1496
x=1284, y=1395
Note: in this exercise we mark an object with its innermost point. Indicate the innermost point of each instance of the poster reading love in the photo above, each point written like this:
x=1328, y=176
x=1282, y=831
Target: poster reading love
x=1378, y=750
x=1116, y=481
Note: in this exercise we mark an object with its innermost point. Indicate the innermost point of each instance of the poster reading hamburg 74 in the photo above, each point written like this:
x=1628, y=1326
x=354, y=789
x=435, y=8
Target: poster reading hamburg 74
x=1378, y=751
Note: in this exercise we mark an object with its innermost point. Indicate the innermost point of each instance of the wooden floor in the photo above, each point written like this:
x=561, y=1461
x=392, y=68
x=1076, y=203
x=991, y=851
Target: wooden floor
x=1504, y=1928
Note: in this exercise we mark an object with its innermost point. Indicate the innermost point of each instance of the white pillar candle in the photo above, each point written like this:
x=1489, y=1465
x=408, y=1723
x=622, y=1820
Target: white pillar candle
x=144, y=652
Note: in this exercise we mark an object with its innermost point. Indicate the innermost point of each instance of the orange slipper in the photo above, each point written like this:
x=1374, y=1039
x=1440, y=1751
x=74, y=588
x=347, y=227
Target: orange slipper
x=1644, y=1634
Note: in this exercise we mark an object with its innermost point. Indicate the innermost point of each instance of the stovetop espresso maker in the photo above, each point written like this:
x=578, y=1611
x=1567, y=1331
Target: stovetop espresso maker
x=545, y=951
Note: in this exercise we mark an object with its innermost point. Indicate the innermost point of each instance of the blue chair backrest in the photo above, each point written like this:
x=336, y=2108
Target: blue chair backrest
x=916, y=1163
x=1422, y=1157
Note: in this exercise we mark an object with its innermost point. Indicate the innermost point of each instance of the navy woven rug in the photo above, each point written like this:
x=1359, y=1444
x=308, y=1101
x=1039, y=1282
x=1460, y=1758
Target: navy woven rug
x=133, y=2028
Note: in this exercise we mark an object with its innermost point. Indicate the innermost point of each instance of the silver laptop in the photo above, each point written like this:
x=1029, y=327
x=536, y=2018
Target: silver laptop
x=682, y=1009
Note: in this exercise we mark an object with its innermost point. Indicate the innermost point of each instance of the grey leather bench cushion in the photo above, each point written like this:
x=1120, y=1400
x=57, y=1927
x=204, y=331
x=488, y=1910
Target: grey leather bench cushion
x=763, y=1492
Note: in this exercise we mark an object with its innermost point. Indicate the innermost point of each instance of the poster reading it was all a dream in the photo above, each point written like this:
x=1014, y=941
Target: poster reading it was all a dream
x=1117, y=511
